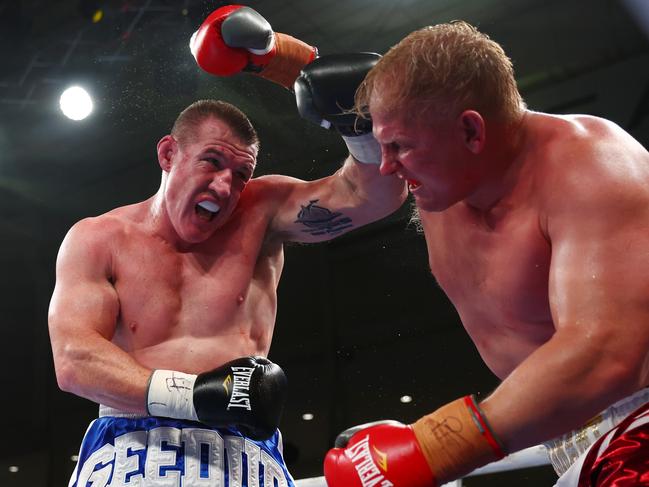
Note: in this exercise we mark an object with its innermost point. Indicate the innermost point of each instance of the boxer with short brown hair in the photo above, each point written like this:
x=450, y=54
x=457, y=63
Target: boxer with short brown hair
x=164, y=310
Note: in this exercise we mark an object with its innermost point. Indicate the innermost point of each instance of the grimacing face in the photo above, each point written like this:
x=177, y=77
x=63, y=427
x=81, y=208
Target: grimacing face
x=205, y=178
x=431, y=158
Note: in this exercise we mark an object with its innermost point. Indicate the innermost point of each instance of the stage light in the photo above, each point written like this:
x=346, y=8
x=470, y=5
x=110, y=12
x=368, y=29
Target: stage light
x=75, y=103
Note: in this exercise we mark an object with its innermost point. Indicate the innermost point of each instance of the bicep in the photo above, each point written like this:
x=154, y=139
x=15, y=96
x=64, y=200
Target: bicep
x=314, y=211
x=599, y=277
x=84, y=300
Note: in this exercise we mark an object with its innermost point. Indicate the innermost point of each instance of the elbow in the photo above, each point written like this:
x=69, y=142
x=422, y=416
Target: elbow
x=67, y=369
x=624, y=373
x=65, y=375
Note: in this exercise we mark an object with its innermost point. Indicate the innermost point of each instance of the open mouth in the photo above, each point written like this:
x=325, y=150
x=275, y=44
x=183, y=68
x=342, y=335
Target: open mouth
x=413, y=184
x=207, y=210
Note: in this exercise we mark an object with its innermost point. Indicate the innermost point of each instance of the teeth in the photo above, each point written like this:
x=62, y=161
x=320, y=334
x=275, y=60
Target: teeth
x=209, y=206
x=413, y=184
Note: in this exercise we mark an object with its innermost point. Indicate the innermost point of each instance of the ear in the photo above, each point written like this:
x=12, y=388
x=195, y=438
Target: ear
x=473, y=131
x=167, y=147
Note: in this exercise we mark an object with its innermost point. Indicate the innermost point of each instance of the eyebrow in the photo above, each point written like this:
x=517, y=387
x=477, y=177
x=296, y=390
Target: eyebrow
x=208, y=152
x=212, y=151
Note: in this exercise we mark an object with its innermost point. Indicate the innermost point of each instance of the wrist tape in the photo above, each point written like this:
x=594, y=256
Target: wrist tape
x=364, y=148
x=456, y=439
x=170, y=395
x=291, y=56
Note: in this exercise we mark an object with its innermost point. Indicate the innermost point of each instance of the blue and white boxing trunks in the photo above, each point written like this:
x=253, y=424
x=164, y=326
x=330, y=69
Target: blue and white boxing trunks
x=121, y=449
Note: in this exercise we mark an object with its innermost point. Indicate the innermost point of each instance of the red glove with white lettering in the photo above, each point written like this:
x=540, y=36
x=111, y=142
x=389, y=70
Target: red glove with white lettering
x=439, y=447
x=235, y=38
x=382, y=454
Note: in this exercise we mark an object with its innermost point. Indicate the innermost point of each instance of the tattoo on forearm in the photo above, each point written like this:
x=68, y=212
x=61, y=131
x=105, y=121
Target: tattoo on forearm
x=320, y=221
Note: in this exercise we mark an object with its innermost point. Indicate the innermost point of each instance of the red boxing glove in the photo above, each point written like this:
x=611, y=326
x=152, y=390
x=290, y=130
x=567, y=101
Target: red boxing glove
x=210, y=50
x=381, y=454
x=235, y=38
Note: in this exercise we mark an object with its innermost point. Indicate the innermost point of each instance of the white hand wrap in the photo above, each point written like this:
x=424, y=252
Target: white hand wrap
x=364, y=148
x=170, y=395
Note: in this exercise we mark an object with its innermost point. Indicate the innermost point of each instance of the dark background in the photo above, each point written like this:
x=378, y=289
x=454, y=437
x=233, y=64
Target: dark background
x=361, y=322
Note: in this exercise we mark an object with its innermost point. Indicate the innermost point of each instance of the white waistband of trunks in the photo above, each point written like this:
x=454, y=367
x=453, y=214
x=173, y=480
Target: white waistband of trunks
x=108, y=411
x=564, y=450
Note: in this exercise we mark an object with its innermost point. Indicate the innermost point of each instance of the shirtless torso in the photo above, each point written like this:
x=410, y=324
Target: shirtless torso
x=496, y=274
x=495, y=266
x=167, y=284
x=192, y=310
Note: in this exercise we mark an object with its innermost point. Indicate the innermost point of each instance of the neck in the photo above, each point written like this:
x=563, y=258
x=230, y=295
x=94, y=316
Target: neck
x=159, y=223
x=501, y=162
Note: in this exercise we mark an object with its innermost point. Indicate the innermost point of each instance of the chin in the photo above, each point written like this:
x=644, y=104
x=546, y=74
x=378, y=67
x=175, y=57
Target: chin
x=436, y=202
x=431, y=206
x=195, y=239
x=197, y=235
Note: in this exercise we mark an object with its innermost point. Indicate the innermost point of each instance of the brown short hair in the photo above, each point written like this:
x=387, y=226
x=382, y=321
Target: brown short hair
x=443, y=70
x=192, y=116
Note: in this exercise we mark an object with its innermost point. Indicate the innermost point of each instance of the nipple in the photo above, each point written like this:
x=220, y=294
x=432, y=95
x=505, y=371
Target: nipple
x=240, y=299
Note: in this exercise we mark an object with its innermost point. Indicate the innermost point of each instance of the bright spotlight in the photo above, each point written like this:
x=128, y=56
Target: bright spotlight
x=76, y=103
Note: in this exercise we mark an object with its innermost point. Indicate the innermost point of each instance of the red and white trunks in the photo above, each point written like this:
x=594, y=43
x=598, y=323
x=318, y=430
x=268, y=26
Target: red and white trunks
x=612, y=450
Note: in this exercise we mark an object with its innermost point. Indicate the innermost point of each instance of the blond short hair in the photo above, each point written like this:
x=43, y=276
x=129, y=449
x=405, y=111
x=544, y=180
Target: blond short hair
x=442, y=70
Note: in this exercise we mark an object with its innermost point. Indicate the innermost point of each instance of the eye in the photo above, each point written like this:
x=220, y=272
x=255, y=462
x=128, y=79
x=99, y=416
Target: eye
x=244, y=173
x=214, y=161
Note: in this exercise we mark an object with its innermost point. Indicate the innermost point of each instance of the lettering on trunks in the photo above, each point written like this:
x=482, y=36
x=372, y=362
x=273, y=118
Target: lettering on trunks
x=240, y=397
x=176, y=457
x=368, y=471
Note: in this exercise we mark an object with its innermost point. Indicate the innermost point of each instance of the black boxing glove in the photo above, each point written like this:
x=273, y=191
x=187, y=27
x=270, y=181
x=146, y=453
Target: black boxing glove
x=248, y=393
x=324, y=92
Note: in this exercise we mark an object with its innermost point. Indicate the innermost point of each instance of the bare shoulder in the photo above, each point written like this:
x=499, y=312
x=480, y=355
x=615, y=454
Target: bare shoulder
x=106, y=226
x=94, y=238
x=585, y=160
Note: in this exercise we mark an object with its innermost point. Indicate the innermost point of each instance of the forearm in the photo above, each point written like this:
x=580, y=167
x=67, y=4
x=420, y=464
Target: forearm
x=557, y=389
x=379, y=195
x=322, y=91
x=96, y=369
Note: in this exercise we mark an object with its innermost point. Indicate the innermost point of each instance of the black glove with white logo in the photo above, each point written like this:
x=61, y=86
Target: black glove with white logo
x=248, y=393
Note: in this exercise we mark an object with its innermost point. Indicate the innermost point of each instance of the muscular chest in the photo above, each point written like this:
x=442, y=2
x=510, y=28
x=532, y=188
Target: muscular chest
x=162, y=289
x=494, y=271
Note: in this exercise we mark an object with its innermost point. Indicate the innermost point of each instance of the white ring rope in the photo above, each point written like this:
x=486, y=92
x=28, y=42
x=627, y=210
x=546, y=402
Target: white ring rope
x=530, y=457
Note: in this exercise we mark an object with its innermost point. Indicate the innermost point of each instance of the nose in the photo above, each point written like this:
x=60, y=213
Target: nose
x=221, y=184
x=389, y=163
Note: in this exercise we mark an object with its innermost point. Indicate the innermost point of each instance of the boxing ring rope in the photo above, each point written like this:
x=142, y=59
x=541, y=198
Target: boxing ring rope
x=529, y=457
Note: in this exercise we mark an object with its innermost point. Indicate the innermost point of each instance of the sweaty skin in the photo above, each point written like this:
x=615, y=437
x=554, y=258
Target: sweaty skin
x=161, y=285
x=541, y=244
